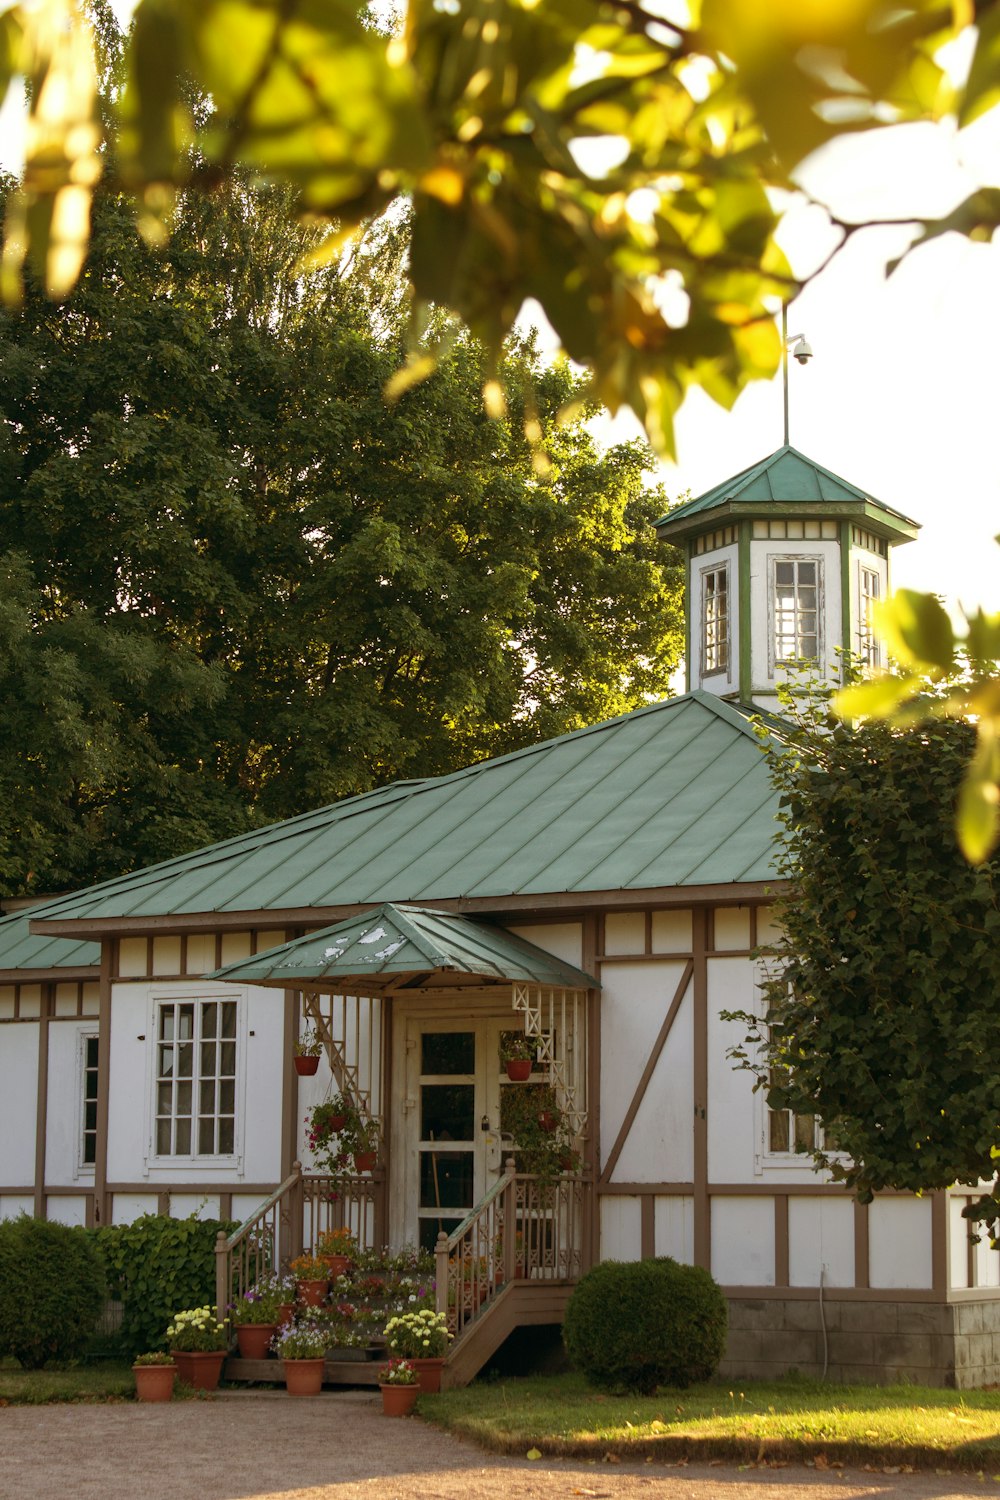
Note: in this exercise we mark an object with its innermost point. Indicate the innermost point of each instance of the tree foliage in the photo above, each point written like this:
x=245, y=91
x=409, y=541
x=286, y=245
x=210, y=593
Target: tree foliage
x=236, y=583
x=480, y=113
x=881, y=997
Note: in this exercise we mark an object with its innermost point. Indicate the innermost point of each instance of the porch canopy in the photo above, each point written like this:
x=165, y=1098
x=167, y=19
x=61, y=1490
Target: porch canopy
x=397, y=948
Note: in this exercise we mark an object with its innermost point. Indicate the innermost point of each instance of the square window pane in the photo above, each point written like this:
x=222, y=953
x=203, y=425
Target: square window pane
x=448, y=1052
x=228, y=1019
x=805, y=1132
x=89, y=1150
x=183, y=1138
x=209, y=1016
x=166, y=1064
x=90, y=1116
x=183, y=1099
x=208, y=1060
x=227, y=1137
x=184, y=1059
x=163, y=1137
x=446, y=1179
x=784, y=574
x=777, y=1126
x=227, y=1097
x=206, y=1097
x=206, y=1137
x=185, y=1022
x=167, y=1023
x=164, y=1098
x=92, y=1052
x=227, y=1059
x=447, y=1112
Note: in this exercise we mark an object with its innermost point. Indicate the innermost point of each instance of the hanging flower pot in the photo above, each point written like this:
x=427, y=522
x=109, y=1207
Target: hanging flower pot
x=547, y=1121
x=364, y=1161
x=306, y=1066
x=337, y=1123
x=519, y=1069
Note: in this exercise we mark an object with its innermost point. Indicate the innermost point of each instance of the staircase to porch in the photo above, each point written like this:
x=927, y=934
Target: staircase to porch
x=512, y=1263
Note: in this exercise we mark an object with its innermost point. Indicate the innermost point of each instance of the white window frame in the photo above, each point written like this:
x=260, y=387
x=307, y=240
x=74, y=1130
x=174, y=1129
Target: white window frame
x=774, y=660
x=869, y=647
x=192, y=1161
x=766, y=1160
x=722, y=643
x=83, y=1168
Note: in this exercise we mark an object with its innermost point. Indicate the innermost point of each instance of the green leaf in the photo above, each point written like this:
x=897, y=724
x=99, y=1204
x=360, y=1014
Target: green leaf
x=918, y=631
x=875, y=699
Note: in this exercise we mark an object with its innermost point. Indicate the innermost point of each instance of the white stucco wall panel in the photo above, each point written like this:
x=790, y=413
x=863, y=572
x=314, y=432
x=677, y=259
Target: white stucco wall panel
x=958, y=1242
x=30, y=1003
x=673, y=1228
x=563, y=939
x=671, y=932
x=635, y=1000
x=743, y=1241
x=625, y=932
x=899, y=1243
x=64, y=1127
x=732, y=927
x=245, y=1204
x=197, y=1205
x=987, y=1263
x=64, y=1208
x=768, y=930
x=201, y=953
x=18, y=1090
x=820, y=1241
x=621, y=1228
x=731, y=1110
x=13, y=1204
x=127, y=1207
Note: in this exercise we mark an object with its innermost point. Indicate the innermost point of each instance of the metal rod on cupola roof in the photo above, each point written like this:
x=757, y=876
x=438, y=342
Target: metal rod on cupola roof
x=802, y=351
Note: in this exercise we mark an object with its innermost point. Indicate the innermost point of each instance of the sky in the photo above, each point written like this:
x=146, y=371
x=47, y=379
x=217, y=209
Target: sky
x=902, y=397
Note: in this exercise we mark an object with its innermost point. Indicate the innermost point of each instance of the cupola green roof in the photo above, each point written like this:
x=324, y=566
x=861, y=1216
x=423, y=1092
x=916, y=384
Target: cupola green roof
x=787, y=482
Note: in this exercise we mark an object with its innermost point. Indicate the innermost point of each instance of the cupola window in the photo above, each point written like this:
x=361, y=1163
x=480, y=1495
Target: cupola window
x=715, y=620
x=796, y=586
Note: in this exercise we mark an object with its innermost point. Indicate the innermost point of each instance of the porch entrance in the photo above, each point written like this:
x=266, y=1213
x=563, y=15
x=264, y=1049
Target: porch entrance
x=452, y=1151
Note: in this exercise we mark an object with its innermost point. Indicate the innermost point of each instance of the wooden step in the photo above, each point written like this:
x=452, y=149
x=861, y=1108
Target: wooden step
x=520, y=1304
x=272, y=1371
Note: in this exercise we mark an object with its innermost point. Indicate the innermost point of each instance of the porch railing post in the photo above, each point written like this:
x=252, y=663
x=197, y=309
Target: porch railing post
x=441, y=1272
x=510, y=1223
x=222, y=1290
x=291, y=1228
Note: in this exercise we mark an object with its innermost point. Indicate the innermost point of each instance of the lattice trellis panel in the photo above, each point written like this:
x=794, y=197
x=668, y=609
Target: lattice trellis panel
x=557, y=1020
x=350, y=1028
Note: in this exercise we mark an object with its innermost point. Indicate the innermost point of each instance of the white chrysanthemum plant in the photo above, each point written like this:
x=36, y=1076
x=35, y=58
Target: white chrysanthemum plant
x=197, y=1331
x=417, y=1335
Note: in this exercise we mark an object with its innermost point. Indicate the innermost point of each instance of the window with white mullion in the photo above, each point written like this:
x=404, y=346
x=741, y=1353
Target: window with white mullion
x=795, y=608
x=196, y=1078
x=88, y=1130
x=715, y=620
x=869, y=593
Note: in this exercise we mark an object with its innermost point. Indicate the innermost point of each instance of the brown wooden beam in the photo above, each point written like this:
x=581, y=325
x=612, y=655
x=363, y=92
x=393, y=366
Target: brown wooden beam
x=102, y=1198
x=42, y=1099
x=702, y=1209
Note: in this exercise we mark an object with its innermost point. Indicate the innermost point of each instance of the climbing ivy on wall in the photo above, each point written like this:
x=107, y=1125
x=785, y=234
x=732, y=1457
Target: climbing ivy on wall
x=883, y=996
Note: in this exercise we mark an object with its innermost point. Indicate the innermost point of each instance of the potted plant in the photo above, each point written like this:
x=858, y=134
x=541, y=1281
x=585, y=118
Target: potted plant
x=324, y=1122
x=312, y=1279
x=154, y=1376
x=422, y=1338
x=517, y=1053
x=254, y=1316
x=337, y=1247
x=306, y=1052
x=542, y=1142
x=400, y=1387
x=198, y=1344
x=359, y=1140
x=302, y=1347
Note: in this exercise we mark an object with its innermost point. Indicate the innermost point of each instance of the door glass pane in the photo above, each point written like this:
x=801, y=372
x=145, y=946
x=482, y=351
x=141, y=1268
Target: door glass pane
x=431, y=1228
x=448, y=1052
x=446, y=1179
x=448, y=1112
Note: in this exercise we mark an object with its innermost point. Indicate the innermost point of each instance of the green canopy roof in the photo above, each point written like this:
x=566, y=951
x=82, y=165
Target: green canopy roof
x=786, y=478
x=397, y=946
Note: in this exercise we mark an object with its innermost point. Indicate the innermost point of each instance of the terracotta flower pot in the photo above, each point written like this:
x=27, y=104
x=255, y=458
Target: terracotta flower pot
x=399, y=1400
x=154, y=1382
x=200, y=1368
x=337, y=1123
x=303, y=1377
x=254, y=1339
x=429, y=1374
x=364, y=1161
x=519, y=1069
x=339, y=1265
x=312, y=1293
x=306, y=1066
x=286, y=1312
x=546, y=1120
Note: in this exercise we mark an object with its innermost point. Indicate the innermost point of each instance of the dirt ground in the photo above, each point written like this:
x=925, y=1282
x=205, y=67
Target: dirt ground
x=339, y=1446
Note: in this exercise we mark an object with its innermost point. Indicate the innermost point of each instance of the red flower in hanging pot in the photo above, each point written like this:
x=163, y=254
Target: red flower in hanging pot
x=546, y=1120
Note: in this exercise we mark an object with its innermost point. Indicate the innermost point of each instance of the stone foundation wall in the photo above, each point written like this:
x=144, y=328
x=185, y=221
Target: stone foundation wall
x=876, y=1342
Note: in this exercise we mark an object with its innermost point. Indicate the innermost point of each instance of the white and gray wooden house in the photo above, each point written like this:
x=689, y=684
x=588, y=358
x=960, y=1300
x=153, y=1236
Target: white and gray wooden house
x=606, y=891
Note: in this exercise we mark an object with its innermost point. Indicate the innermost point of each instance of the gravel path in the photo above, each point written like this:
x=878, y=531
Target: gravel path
x=339, y=1446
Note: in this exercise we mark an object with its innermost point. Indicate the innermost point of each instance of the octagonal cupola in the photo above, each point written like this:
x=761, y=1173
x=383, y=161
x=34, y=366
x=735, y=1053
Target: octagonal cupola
x=785, y=563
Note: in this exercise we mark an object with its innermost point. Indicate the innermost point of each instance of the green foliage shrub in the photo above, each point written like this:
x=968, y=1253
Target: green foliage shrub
x=51, y=1290
x=156, y=1266
x=645, y=1323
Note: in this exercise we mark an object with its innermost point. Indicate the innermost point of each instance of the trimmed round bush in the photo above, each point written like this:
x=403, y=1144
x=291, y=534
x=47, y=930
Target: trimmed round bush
x=51, y=1290
x=639, y=1324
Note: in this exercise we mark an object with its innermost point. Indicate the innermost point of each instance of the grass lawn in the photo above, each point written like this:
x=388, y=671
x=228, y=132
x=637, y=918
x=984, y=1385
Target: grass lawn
x=791, y=1420
x=107, y=1381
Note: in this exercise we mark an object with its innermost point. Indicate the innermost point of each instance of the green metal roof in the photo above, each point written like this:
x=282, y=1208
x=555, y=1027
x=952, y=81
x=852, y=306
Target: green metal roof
x=785, y=478
x=382, y=949
x=671, y=795
x=21, y=949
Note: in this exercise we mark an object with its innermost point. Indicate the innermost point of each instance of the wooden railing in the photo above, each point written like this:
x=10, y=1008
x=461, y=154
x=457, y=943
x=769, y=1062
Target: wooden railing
x=290, y=1221
x=525, y=1228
